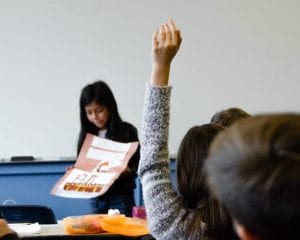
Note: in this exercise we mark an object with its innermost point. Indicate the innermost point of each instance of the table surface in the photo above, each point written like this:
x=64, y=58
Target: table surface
x=56, y=231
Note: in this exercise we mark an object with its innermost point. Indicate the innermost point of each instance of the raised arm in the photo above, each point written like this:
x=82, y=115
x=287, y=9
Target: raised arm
x=163, y=206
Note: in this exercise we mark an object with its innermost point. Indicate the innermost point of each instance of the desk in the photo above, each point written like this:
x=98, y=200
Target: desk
x=56, y=231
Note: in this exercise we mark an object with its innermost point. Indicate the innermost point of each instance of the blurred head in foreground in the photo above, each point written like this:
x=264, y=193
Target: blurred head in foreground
x=254, y=169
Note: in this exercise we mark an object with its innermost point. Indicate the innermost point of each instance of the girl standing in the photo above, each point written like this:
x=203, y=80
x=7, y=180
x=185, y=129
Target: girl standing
x=99, y=116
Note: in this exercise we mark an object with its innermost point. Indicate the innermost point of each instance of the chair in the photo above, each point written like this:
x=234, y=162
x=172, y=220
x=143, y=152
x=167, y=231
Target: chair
x=27, y=213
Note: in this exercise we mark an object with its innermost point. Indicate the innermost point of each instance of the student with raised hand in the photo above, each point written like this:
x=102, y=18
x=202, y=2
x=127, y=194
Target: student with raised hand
x=6, y=233
x=191, y=213
x=99, y=116
x=228, y=116
x=254, y=169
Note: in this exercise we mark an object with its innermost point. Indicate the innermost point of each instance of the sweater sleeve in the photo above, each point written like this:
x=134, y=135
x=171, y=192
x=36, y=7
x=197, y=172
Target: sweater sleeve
x=164, y=208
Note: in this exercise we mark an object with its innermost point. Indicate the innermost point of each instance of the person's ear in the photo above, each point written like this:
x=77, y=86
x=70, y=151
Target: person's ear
x=243, y=233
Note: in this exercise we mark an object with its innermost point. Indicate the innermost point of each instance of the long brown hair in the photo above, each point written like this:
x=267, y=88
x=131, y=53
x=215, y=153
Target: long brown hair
x=193, y=189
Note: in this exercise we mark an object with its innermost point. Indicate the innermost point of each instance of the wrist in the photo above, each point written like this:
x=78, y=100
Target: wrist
x=160, y=74
x=161, y=66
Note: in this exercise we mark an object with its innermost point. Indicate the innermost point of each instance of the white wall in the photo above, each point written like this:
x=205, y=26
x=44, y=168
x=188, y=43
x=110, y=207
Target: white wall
x=234, y=53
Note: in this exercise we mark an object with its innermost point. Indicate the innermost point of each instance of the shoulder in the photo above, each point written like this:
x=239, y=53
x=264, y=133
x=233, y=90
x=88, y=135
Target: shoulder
x=128, y=132
x=129, y=127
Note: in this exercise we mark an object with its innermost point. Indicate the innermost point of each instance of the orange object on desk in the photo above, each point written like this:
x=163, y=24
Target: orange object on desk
x=127, y=226
x=103, y=223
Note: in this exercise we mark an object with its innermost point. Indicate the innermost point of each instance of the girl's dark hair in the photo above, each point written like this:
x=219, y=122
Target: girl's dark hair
x=192, y=186
x=228, y=116
x=100, y=93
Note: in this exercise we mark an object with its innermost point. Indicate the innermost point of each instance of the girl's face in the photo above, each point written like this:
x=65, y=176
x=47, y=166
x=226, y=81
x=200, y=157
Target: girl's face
x=97, y=114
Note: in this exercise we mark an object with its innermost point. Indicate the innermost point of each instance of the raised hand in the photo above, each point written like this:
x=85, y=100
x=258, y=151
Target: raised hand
x=165, y=44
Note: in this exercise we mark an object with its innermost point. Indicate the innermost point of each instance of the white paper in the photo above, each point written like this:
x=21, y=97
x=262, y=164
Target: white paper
x=107, y=144
x=99, y=154
x=25, y=228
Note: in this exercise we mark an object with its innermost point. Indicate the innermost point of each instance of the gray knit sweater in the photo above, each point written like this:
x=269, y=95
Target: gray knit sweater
x=164, y=208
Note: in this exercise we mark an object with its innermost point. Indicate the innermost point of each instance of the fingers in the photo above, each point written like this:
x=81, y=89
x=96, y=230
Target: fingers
x=176, y=35
x=179, y=36
x=173, y=30
x=162, y=35
x=167, y=34
x=155, y=41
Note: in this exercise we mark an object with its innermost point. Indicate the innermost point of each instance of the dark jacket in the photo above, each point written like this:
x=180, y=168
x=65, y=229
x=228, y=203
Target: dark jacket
x=125, y=184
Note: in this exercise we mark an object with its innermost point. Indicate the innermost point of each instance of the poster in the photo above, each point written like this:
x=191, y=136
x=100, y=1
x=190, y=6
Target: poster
x=99, y=164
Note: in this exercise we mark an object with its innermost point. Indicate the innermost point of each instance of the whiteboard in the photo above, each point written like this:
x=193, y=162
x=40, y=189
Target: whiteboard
x=234, y=53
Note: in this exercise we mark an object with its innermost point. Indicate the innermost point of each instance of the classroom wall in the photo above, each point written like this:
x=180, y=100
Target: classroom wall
x=234, y=53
